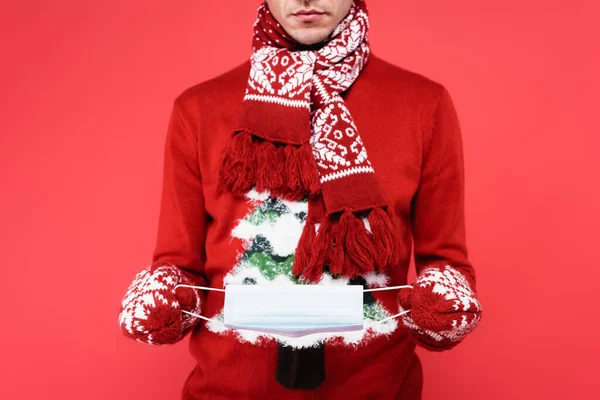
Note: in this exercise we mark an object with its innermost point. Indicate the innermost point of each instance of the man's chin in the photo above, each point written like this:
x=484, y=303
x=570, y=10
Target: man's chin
x=311, y=36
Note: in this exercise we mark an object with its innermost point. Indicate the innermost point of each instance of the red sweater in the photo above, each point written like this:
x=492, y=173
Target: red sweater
x=411, y=131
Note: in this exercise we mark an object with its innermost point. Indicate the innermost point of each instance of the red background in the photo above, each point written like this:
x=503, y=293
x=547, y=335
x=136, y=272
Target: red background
x=86, y=93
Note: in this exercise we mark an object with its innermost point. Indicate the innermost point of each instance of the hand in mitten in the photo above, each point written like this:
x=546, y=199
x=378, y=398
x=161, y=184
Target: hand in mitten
x=443, y=308
x=151, y=309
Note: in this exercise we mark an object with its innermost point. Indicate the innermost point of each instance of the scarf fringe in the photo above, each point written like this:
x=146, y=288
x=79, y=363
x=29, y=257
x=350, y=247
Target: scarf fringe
x=285, y=170
x=309, y=175
x=320, y=250
x=270, y=167
x=346, y=247
x=382, y=231
x=303, y=253
x=238, y=165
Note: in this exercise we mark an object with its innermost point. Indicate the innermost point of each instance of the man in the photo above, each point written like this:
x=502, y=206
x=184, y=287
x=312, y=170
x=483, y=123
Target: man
x=311, y=167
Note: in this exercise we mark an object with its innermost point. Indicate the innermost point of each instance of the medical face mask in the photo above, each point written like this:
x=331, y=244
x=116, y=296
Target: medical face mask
x=294, y=310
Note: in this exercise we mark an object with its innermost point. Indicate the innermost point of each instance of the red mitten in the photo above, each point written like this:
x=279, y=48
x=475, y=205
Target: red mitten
x=443, y=308
x=151, y=309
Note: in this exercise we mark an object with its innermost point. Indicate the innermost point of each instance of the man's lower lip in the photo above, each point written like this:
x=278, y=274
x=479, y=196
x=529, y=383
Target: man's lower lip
x=309, y=17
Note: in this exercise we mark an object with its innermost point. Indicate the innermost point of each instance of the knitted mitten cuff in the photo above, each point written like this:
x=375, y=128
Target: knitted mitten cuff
x=444, y=308
x=151, y=309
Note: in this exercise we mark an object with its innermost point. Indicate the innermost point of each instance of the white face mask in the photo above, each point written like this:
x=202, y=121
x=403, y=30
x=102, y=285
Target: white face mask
x=294, y=310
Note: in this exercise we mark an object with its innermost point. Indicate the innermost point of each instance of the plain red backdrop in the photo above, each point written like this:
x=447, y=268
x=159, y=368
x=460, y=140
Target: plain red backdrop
x=86, y=93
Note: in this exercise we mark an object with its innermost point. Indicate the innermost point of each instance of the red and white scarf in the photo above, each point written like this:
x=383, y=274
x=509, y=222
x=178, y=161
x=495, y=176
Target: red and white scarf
x=296, y=138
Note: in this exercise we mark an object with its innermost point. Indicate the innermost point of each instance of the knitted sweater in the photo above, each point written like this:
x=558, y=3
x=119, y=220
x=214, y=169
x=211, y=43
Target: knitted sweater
x=410, y=128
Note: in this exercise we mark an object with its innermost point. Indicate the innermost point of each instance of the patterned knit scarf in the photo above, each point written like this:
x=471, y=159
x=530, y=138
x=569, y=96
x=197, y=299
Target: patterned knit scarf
x=296, y=139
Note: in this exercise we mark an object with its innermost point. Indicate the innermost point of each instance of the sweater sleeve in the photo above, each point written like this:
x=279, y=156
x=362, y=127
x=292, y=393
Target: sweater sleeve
x=182, y=217
x=437, y=210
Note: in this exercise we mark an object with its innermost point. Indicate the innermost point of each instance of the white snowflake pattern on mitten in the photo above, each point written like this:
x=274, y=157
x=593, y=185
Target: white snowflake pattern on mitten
x=444, y=308
x=151, y=309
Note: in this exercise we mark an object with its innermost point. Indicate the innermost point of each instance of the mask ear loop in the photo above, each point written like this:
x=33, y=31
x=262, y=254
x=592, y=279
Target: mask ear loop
x=197, y=315
x=395, y=315
x=200, y=287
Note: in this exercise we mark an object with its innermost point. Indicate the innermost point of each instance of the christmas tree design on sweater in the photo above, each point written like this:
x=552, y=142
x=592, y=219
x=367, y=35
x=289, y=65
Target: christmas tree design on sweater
x=270, y=233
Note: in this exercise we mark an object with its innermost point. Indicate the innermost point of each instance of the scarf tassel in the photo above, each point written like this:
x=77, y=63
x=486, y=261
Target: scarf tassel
x=318, y=249
x=382, y=231
x=307, y=168
x=270, y=167
x=287, y=171
x=304, y=249
x=346, y=247
x=238, y=169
